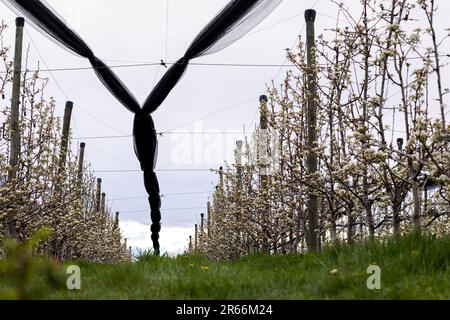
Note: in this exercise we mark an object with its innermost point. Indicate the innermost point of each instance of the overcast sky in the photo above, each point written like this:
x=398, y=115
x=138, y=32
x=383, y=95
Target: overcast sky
x=208, y=98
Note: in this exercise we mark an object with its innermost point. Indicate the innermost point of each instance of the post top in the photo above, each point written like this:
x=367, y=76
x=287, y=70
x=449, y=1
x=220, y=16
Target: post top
x=103, y=194
x=69, y=104
x=310, y=15
x=20, y=22
x=83, y=144
x=99, y=180
x=263, y=98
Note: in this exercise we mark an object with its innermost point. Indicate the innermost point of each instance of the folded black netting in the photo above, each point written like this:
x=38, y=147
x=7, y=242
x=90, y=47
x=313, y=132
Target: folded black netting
x=45, y=19
x=233, y=22
x=115, y=85
x=236, y=19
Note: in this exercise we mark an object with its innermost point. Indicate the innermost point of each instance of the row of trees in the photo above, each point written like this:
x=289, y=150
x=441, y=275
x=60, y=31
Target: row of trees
x=52, y=188
x=382, y=147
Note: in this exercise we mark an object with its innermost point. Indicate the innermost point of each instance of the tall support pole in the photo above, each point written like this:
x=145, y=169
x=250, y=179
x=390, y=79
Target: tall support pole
x=64, y=145
x=98, y=195
x=208, y=218
x=196, y=238
x=80, y=174
x=15, y=101
x=219, y=201
x=221, y=178
x=202, y=223
x=351, y=219
x=116, y=220
x=14, y=121
x=397, y=203
x=310, y=16
x=202, y=226
x=190, y=244
x=263, y=169
x=81, y=164
x=65, y=136
x=238, y=156
x=103, y=203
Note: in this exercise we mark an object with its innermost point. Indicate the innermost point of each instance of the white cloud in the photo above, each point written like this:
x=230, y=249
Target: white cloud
x=173, y=240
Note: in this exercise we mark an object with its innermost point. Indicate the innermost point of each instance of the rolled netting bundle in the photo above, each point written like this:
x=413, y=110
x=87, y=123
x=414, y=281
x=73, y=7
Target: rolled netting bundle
x=236, y=19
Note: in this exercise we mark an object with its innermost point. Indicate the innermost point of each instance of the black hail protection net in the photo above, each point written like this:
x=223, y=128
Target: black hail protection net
x=236, y=19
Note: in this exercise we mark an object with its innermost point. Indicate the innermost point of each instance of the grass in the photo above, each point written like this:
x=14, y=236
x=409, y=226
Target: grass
x=412, y=267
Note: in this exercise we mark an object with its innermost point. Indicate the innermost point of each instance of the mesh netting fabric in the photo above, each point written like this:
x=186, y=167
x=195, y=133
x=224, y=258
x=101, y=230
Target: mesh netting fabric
x=236, y=19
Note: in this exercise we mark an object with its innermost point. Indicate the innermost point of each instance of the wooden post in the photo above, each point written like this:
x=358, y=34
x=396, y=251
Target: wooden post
x=64, y=146
x=400, y=144
x=98, y=195
x=14, y=149
x=263, y=169
x=202, y=220
x=238, y=156
x=202, y=225
x=116, y=221
x=310, y=16
x=81, y=164
x=221, y=178
x=65, y=136
x=397, y=204
x=190, y=243
x=103, y=203
x=208, y=218
x=350, y=228
x=15, y=101
x=196, y=238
